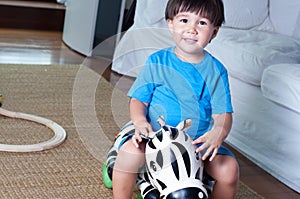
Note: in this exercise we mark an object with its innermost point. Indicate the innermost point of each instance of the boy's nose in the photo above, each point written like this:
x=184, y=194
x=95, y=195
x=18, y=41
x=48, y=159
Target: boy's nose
x=192, y=29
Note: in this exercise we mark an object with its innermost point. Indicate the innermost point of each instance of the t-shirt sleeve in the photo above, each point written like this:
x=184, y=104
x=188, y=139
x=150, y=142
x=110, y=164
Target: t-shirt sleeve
x=143, y=87
x=221, y=98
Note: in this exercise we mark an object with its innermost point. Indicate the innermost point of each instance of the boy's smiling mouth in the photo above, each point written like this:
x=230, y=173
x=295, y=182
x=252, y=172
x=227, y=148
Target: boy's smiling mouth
x=190, y=40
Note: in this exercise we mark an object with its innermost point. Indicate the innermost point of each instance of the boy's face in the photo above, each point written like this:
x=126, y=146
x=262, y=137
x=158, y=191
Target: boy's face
x=191, y=33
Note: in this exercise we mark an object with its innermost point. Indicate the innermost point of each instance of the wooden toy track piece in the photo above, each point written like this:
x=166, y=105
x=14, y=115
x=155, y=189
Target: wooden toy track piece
x=58, y=138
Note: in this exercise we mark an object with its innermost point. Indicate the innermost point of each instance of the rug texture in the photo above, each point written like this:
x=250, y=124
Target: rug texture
x=91, y=111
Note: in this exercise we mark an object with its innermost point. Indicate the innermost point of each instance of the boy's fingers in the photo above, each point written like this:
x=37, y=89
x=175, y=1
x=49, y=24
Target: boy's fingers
x=136, y=139
x=212, y=152
x=200, y=139
x=205, y=156
x=213, y=155
x=143, y=131
x=202, y=147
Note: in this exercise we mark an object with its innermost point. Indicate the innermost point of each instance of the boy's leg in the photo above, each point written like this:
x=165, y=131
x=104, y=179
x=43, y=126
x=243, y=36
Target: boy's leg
x=225, y=170
x=127, y=164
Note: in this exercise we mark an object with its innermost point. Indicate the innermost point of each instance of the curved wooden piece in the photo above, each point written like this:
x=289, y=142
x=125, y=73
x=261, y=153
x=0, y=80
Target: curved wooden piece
x=58, y=138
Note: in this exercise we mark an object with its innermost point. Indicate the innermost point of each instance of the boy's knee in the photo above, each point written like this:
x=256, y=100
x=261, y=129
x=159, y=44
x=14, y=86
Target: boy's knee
x=226, y=170
x=231, y=171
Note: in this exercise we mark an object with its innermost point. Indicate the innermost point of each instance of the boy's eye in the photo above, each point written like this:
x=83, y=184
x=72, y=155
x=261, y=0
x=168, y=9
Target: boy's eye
x=202, y=23
x=183, y=20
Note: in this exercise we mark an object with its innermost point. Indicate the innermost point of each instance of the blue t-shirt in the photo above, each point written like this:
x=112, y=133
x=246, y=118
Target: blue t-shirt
x=179, y=90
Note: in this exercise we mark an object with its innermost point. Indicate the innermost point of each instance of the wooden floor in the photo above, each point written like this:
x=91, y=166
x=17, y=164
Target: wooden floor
x=42, y=47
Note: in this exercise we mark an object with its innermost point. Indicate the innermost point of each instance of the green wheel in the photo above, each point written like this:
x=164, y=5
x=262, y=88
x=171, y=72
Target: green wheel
x=105, y=177
x=139, y=196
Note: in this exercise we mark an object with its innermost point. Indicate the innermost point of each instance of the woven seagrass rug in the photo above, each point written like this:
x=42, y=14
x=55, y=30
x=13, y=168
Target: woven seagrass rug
x=89, y=108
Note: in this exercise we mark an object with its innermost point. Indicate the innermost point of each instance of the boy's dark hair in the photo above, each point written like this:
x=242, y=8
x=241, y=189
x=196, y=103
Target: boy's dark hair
x=210, y=9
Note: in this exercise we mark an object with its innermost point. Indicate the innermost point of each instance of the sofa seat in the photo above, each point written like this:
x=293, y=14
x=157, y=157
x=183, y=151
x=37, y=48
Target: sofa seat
x=281, y=84
x=257, y=50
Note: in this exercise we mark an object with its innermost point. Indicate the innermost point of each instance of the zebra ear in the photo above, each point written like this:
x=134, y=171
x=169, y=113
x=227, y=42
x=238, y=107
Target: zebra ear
x=174, y=133
x=161, y=121
x=184, y=125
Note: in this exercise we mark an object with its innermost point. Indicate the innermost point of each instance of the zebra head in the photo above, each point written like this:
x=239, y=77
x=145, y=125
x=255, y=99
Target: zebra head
x=173, y=166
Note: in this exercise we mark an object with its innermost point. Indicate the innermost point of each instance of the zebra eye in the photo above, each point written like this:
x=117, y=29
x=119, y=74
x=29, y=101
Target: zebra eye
x=153, y=166
x=200, y=195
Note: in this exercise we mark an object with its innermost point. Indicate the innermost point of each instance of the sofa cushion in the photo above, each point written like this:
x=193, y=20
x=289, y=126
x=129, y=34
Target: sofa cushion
x=245, y=14
x=150, y=13
x=297, y=28
x=281, y=84
x=284, y=15
x=246, y=53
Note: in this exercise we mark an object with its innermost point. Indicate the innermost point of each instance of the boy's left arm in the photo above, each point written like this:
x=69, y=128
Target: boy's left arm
x=213, y=139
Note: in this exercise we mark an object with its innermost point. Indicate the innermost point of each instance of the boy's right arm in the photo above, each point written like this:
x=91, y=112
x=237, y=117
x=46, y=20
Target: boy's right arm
x=138, y=112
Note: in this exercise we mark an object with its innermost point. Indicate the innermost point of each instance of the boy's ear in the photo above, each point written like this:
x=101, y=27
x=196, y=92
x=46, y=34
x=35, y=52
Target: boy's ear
x=216, y=30
x=170, y=25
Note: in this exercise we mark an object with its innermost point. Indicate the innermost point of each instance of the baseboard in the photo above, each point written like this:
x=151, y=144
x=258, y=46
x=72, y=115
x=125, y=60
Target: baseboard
x=30, y=15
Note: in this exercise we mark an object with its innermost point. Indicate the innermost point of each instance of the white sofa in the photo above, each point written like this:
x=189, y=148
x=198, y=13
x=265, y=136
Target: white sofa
x=260, y=46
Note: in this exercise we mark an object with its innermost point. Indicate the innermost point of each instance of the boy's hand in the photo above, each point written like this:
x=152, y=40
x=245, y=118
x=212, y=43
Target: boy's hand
x=141, y=128
x=211, y=141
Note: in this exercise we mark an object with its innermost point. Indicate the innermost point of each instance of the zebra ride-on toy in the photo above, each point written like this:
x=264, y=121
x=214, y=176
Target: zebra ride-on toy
x=173, y=169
